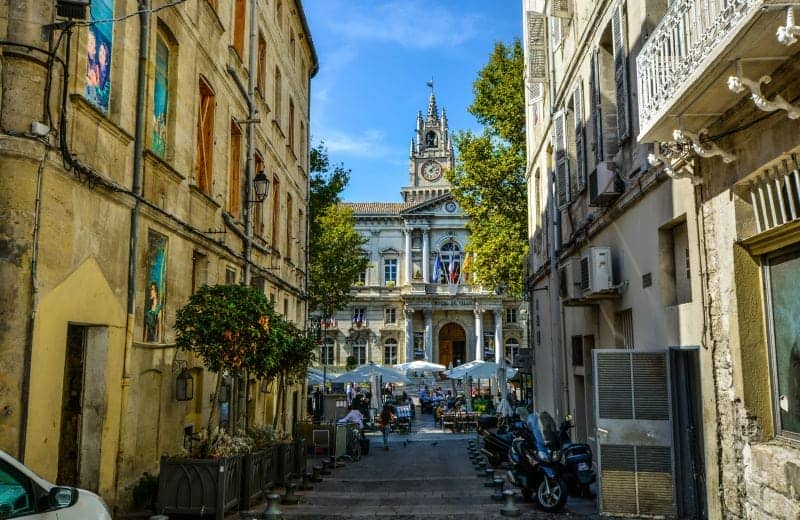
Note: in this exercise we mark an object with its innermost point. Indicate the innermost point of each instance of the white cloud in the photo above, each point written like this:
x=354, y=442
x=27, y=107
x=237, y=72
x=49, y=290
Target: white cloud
x=409, y=23
x=367, y=144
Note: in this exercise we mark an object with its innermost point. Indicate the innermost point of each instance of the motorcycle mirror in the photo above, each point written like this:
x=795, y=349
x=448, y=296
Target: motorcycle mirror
x=568, y=418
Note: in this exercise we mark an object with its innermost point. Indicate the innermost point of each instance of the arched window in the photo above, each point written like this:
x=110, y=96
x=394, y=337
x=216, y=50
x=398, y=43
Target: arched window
x=431, y=140
x=326, y=352
x=512, y=350
x=390, y=352
x=450, y=270
x=360, y=350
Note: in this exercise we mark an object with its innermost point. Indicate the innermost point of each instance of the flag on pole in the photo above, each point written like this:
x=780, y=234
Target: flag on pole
x=451, y=271
x=438, y=268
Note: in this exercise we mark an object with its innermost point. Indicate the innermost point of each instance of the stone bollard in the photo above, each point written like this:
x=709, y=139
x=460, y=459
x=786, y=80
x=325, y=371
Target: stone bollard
x=306, y=484
x=326, y=466
x=482, y=468
x=245, y=515
x=316, y=476
x=509, y=508
x=272, y=510
x=289, y=498
x=489, y=478
x=497, y=496
x=161, y=517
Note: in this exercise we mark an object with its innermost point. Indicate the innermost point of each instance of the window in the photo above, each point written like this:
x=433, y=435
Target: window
x=262, y=64
x=16, y=494
x=292, y=50
x=258, y=207
x=783, y=306
x=419, y=345
x=205, y=138
x=291, y=125
x=390, y=315
x=303, y=152
x=511, y=316
x=449, y=269
x=326, y=352
x=286, y=308
x=512, y=351
x=289, y=222
x=577, y=351
x=623, y=328
x=230, y=276
x=276, y=210
x=390, y=271
x=199, y=270
x=160, y=99
x=390, y=352
x=488, y=346
x=675, y=265
x=234, y=184
x=359, y=317
x=360, y=350
x=278, y=94
x=431, y=140
x=279, y=14
x=238, y=28
x=361, y=278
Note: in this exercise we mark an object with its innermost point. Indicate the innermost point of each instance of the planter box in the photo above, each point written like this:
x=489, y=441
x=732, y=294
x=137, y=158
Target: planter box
x=286, y=461
x=259, y=474
x=199, y=487
x=300, y=454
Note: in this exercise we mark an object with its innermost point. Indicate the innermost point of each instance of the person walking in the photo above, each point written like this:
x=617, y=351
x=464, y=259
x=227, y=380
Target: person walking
x=385, y=421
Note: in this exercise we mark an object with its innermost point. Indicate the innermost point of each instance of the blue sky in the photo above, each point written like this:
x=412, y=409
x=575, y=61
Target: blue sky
x=375, y=58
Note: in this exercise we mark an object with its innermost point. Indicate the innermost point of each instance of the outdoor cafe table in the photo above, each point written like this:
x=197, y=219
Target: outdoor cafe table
x=460, y=421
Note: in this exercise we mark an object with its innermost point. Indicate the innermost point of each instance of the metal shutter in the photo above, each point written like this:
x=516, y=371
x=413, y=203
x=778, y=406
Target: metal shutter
x=560, y=8
x=537, y=47
x=619, y=28
x=580, y=147
x=596, y=106
x=562, y=158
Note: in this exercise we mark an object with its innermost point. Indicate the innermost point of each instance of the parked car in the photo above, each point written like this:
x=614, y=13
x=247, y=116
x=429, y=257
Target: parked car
x=24, y=494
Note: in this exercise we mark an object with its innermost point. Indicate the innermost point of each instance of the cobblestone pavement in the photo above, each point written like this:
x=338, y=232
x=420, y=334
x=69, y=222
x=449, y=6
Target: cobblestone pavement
x=425, y=474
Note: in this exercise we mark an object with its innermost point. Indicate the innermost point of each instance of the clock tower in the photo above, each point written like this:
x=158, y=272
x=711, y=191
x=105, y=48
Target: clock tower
x=431, y=153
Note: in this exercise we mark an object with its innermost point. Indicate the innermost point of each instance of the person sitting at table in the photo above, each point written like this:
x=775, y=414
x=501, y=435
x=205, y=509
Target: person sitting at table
x=354, y=416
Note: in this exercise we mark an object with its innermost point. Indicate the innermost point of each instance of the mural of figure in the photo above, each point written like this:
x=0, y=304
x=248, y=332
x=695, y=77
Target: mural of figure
x=152, y=315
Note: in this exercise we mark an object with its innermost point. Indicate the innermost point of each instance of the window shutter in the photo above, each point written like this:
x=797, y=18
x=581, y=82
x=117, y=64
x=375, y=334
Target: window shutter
x=537, y=47
x=555, y=32
x=619, y=28
x=597, y=115
x=560, y=8
x=562, y=158
x=580, y=146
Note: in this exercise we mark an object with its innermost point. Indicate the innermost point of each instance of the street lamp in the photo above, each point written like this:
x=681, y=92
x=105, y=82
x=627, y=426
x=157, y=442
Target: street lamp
x=260, y=186
x=316, y=321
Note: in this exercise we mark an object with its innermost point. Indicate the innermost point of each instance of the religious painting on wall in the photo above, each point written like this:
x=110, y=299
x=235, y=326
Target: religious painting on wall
x=784, y=283
x=160, y=99
x=98, y=55
x=155, y=293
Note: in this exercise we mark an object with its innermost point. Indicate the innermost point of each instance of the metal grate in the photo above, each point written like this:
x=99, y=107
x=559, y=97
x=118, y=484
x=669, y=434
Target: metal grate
x=585, y=273
x=654, y=480
x=650, y=394
x=775, y=197
x=615, y=399
x=618, y=478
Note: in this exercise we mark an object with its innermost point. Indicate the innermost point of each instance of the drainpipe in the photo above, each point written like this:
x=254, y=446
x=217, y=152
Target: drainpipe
x=251, y=120
x=556, y=339
x=138, y=147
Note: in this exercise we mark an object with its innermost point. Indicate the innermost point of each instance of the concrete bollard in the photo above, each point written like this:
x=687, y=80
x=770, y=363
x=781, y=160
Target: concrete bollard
x=489, y=478
x=289, y=498
x=316, y=476
x=272, y=510
x=482, y=468
x=306, y=484
x=509, y=508
x=326, y=466
x=497, y=496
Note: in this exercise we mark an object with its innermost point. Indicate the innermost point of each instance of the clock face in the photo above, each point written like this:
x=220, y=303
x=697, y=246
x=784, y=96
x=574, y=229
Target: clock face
x=431, y=170
x=450, y=206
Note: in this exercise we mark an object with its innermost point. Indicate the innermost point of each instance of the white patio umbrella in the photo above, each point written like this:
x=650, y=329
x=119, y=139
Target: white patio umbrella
x=365, y=373
x=478, y=370
x=314, y=377
x=419, y=366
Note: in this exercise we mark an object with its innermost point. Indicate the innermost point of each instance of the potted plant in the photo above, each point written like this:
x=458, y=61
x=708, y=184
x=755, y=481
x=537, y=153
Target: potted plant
x=259, y=466
x=390, y=283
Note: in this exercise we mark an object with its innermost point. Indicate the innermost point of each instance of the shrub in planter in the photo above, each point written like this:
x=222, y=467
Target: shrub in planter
x=286, y=461
x=260, y=466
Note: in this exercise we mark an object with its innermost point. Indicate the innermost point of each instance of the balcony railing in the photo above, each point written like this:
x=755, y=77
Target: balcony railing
x=690, y=32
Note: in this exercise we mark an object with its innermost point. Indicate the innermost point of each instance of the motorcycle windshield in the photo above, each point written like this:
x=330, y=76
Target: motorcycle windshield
x=544, y=430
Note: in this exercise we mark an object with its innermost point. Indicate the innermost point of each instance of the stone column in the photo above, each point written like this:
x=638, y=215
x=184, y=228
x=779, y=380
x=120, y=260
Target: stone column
x=408, y=265
x=426, y=254
x=408, y=314
x=498, y=338
x=478, y=334
x=428, y=335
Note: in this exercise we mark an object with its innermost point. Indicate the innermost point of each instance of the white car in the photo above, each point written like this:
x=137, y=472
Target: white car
x=24, y=494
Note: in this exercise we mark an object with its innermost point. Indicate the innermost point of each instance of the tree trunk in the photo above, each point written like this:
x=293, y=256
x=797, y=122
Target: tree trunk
x=214, y=402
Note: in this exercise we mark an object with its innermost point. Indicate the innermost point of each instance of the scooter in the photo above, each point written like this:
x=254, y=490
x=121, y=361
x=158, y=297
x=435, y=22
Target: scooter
x=496, y=438
x=579, y=471
x=536, y=463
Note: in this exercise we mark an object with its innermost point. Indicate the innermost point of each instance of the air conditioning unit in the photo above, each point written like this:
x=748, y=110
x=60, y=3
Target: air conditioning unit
x=596, y=272
x=568, y=283
x=604, y=185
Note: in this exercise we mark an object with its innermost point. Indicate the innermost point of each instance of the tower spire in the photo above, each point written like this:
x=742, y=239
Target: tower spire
x=433, y=111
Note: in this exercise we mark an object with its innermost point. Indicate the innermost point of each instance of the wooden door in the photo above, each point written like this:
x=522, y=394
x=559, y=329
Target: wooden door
x=445, y=352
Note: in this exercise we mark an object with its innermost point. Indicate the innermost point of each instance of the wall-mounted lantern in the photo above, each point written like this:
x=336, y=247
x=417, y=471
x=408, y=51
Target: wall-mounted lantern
x=184, y=386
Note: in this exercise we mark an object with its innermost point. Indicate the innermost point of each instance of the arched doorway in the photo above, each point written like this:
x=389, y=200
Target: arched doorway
x=452, y=345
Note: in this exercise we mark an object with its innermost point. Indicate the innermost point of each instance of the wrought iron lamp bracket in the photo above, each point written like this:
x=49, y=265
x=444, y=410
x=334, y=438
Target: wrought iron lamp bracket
x=674, y=156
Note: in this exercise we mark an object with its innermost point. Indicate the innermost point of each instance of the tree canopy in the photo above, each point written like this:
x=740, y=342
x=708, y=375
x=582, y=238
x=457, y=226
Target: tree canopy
x=489, y=176
x=335, y=258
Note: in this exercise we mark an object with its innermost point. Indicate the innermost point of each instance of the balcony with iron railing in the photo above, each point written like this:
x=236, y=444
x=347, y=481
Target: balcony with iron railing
x=684, y=67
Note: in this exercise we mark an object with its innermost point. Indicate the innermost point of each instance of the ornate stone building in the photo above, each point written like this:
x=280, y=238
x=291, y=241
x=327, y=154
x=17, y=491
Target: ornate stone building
x=417, y=300
x=120, y=195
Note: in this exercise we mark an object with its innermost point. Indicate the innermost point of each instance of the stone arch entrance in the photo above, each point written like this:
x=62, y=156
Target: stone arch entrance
x=452, y=344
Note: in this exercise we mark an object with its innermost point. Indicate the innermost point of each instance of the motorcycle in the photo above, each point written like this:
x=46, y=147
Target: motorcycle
x=496, y=438
x=536, y=463
x=579, y=471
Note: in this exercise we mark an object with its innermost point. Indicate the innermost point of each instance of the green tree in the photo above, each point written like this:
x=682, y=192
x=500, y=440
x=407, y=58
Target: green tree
x=489, y=177
x=335, y=258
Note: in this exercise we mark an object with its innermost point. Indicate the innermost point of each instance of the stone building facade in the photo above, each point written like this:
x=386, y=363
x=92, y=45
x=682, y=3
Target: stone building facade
x=663, y=218
x=121, y=194
x=416, y=300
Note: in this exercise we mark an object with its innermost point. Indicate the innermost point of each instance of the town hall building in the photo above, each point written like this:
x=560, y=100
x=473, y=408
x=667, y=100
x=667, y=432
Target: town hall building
x=417, y=299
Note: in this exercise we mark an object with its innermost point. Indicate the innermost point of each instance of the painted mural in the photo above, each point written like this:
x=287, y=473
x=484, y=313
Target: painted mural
x=98, y=56
x=160, y=98
x=784, y=274
x=155, y=293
